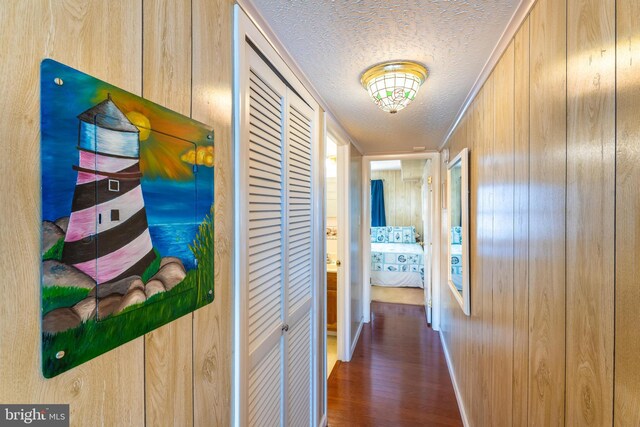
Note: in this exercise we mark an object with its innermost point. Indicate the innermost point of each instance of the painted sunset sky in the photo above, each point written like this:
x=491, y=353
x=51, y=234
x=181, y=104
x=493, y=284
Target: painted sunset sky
x=172, y=194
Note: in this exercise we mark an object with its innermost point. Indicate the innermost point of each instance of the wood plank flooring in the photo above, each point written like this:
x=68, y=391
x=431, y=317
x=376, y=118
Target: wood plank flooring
x=397, y=377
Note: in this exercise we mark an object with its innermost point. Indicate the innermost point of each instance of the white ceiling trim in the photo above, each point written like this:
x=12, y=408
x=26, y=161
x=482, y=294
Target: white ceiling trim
x=253, y=14
x=508, y=34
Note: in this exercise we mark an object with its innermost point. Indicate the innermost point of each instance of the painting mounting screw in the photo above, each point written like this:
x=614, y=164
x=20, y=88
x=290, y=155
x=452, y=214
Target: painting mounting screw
x=58, y=81
x=60, y=355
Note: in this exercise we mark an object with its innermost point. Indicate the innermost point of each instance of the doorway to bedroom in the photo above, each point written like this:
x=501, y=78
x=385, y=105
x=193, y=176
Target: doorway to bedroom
x=401, y=219
x=397, y=231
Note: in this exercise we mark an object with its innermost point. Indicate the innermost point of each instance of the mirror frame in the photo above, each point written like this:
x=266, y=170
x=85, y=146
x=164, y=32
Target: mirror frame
x=461, y=159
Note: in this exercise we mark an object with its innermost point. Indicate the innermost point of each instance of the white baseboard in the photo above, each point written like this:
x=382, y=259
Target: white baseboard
x=355, y=341
x=456, y=390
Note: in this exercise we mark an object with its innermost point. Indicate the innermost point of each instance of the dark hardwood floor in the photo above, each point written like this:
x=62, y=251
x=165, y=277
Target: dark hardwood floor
x=397, y=377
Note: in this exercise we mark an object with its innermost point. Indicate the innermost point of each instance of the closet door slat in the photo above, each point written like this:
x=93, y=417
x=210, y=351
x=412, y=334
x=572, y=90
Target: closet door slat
x=264, y=263
x=298, y=342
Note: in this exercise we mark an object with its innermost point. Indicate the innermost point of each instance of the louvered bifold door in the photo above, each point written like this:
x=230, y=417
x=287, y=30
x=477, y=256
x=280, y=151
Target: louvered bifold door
x=262, y=163
x=299, y=281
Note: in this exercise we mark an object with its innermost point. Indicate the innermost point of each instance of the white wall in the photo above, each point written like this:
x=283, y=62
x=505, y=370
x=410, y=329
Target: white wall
x=355, y=220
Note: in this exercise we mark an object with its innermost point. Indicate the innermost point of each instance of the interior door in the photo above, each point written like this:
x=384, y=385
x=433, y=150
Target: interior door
x=277, y=274
x=262, y=162
x=277, y=264
x=300, y=253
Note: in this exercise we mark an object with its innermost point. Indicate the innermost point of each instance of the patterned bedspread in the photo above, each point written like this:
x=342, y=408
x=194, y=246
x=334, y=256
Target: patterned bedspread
x=397, y=257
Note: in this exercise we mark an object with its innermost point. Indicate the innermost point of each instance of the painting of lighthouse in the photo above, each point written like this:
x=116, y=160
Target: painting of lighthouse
x=127, y=216
x=108, y=204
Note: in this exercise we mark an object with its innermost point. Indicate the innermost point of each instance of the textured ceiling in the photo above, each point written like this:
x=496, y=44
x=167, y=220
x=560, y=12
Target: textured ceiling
x=333, y=42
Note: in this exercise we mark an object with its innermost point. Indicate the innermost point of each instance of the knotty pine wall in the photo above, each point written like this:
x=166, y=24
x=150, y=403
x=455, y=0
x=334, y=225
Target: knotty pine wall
x=402, y=199
x=174, y=52
x=555, y=147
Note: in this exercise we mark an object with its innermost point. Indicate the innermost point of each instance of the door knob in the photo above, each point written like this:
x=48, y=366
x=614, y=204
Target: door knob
x=338, y=263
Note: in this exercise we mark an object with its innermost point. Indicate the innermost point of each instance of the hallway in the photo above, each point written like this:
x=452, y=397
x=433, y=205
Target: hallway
x=397, y=377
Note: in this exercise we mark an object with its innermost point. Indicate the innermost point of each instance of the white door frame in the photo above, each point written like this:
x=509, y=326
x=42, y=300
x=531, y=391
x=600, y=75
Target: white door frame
x=343, y=330
x=366, y=225
x=344, y=275
x=427, y=235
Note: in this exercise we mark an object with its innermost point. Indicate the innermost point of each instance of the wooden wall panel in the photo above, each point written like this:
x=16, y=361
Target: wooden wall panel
x=402, y=199
x=482, y=346
x=590, y=211
x=167, y=81
x=521, y=228
x=627, y=272
x=542, y=211
x=474, y=137
x=468, y=344
x=460, y=339
x=75, y=33
x=501, y=340
x=485, y=244
x=547, y=216
x=105, y=39
x=212, y=94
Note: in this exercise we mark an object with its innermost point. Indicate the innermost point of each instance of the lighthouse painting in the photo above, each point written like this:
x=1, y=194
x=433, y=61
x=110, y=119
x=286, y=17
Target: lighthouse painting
x=127, y=216
x=108, y=204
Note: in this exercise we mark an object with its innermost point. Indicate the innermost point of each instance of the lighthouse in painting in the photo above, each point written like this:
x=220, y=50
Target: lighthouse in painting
x=108, y=235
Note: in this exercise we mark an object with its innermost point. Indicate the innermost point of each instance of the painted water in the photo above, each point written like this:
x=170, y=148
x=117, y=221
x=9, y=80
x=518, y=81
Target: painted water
x=174, y=240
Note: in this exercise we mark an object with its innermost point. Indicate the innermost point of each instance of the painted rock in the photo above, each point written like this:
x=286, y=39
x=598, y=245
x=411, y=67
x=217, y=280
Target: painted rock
x=59, y=320
x=55, y=273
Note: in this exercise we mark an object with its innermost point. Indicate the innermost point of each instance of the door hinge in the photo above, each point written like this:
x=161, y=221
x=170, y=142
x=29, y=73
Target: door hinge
x=429, y=303
x=429, y=180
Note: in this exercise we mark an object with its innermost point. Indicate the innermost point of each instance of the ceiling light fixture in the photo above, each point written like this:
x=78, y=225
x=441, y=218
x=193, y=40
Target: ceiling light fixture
x=393, y=85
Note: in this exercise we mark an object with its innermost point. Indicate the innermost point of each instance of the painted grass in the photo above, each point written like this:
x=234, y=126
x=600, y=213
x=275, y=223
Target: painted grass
x=55, y=251
x=61, y=296
x=202, y=249
x=153, y=267
x=93, y=338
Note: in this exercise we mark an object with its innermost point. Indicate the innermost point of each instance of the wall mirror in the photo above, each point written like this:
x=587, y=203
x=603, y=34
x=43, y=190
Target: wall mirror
x=458, y=227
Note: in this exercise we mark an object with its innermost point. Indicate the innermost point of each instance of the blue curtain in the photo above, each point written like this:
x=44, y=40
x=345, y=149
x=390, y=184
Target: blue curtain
x=377, y=204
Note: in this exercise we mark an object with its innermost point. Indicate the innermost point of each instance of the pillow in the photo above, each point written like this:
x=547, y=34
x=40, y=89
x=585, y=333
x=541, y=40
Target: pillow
x=456, y=235
x=402, y=235
x=409, y=234
x=379, y=235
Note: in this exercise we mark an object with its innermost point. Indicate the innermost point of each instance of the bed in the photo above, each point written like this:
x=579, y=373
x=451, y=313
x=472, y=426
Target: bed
x=396, y=259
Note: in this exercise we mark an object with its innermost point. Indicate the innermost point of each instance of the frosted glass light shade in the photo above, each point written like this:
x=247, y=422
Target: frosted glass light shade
x=393, y=85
